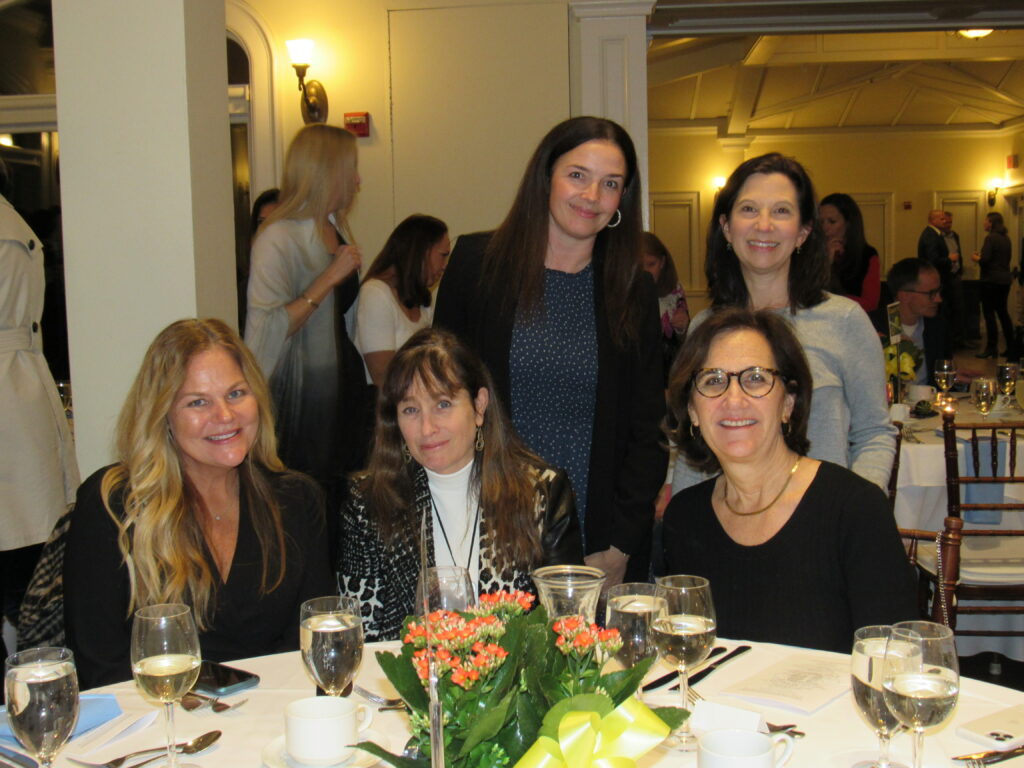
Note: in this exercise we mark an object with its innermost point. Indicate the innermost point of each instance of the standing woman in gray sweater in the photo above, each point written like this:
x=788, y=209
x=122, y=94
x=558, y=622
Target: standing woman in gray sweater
x=994, y=260
x=765, y=251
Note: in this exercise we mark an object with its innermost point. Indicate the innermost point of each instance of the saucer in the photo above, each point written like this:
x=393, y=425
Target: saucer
x=275, y=756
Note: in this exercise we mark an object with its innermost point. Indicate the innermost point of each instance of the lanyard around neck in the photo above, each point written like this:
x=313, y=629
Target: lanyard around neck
x=444, y=533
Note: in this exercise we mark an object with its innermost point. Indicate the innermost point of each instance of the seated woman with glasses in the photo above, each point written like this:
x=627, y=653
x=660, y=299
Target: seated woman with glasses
x=798, y=551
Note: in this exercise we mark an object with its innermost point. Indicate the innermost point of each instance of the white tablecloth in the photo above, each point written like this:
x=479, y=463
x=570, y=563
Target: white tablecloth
x=921, y=502
x=836, y=735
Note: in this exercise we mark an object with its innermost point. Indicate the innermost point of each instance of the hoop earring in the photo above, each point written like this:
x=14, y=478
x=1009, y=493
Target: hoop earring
x=787, y=428
x=405, y=452
x=694, y=433
x=618, y=221
x=478, y=444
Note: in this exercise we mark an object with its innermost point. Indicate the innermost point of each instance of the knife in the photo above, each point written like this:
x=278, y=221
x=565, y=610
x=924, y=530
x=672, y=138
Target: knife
x=993, y=755
x=668, y=678
x=696, y=677
x=10, y=757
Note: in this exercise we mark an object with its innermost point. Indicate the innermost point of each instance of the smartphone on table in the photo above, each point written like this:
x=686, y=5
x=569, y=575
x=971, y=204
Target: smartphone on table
x=217, y=679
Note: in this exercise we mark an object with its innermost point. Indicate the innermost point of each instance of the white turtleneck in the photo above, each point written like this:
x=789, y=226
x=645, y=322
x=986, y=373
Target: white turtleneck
x=455, y=508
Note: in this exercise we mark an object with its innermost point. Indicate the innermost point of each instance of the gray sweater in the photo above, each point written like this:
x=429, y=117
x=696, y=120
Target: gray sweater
x=849, y=422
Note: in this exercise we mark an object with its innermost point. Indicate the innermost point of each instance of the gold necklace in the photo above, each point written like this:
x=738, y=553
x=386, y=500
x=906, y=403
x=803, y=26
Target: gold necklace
x=766, y=507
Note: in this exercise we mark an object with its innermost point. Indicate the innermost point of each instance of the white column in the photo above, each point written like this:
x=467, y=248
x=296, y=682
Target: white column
x=145, y=188
x=608, y=67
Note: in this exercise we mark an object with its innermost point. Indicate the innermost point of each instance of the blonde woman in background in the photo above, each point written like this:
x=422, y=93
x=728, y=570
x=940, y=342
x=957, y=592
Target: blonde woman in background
x=199, y=509
x=304, y=277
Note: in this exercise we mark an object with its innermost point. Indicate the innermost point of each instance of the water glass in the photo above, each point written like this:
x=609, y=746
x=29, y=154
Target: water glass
x=920, y=677
x=866, y=683
x=685, y=634
x=569, y=590
x=632, y=609
x=165, y=660
x=448, y=588
x=42, y=700
x=331, y=641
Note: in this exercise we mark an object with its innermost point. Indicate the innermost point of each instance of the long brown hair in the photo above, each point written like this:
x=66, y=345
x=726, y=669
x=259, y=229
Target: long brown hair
x=501, y=471
x=160, y=536
x=515, y=254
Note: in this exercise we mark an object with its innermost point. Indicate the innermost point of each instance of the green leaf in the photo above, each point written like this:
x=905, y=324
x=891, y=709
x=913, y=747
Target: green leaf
x=673, y=717
x=401, y=674
x=523, y=727
x=622, y=684
x=487, y=724
x=398, y=760
x=598, y=703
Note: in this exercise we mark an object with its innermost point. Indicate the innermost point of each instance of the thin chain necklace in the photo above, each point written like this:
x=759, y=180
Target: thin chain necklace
x=444, y=533
x=766, y=507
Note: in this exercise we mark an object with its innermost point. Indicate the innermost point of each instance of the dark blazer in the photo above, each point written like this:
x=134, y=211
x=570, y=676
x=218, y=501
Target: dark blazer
x=995, y=259
x=935, y=345
x=627, y=459
x=931, y=247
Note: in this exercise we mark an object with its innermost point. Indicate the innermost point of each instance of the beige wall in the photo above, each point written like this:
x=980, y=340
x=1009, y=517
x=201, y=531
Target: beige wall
x=912, y=167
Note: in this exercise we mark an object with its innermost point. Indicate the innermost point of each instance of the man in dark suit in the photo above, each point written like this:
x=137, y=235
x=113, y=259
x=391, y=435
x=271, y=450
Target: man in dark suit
x=939, y=245
x=917, y=287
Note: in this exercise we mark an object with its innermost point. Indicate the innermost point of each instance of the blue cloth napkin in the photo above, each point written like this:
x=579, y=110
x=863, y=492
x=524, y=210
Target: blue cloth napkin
x=94, y=709
x=982, y=494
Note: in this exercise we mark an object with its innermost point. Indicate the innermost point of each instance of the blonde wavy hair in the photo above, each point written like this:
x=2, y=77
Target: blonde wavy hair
x=160, y=536
x=319, y=176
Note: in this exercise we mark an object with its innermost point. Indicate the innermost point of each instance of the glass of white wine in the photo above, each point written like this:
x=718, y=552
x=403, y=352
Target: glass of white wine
x=1006, y=380
x=685, y=635
x=331, y=641
x=632, y=609
x=866, y=682
x=42, y=700
x=945, y=375
x=920, y=677
x=984, y=390
x=165, y=660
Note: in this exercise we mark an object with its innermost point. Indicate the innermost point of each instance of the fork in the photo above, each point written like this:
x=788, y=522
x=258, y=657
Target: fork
x=376, y=698
x=693, y=697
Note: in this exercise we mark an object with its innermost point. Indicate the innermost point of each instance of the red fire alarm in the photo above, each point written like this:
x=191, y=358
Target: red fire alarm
x=358, y=123
x=1013, y=161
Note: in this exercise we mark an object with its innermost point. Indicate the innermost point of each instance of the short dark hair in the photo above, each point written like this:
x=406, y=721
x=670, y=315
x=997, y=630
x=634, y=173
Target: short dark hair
x=808, y=267
x=651, y=245
x=905, y=273
x=789, y=359
x=405, y=250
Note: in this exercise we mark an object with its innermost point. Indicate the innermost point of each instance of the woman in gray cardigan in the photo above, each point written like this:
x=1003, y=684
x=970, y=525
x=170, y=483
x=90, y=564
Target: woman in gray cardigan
x=994, y=260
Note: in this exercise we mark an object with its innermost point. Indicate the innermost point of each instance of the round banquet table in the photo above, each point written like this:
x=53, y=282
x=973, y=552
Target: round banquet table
x=836, y=735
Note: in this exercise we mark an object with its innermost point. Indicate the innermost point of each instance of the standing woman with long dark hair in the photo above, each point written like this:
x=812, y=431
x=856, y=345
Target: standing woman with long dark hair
x=856, y=270
x=556, y=304
x=305, y=276
x=994, y=259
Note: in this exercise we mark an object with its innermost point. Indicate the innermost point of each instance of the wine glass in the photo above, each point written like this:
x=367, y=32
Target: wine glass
x=42, y=700
x=945, y=375
x=448, y=588
x=331, y=641
x=685, y=634
x=631, y=609
x=984, y=390
x=920, y=677
x=165, y=660
x=866, y=681
x=1006, y=380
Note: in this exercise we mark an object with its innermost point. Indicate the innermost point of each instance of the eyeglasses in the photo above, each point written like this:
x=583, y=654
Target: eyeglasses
x=932, y=294
x=755, y=380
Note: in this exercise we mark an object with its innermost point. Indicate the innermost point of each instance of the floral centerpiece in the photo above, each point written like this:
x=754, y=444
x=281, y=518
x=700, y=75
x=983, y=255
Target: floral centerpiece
x=901, y=362
x=516, y=689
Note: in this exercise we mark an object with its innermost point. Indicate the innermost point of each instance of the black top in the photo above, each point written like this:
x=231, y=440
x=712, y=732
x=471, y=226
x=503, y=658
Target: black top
x=932, y=247
x=627, y=459
x=995, y=259
x=836, y=565
x=244, y=623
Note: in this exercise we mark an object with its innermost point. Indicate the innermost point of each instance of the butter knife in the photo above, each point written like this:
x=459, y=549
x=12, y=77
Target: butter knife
x=993, y=755
x=669, y=677
x=10, y=757
x=696, y=677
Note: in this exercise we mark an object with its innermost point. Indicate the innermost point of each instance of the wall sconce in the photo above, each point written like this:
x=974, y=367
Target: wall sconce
x=314, y=97
x=718, y=182
x=974, y=34
x=995, y=185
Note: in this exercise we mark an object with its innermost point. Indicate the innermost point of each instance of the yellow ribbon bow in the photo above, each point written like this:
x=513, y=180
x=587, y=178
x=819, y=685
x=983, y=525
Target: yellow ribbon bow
x=586, y=740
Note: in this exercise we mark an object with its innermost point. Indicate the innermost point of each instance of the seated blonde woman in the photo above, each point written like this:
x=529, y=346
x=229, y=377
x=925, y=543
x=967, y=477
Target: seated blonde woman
x=445, y=450
x=198, y=509
x=798, y=551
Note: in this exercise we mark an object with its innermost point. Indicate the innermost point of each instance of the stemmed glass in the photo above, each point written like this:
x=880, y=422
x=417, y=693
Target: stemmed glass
x=920, y=677
x=866, y=681
x=685, y=634
x=1006, y=379
x=165, y=660
x=632, y=609
x=945, y=376
x=42, y=700
x=448, y=588
x=331, y=641
x=984, y=390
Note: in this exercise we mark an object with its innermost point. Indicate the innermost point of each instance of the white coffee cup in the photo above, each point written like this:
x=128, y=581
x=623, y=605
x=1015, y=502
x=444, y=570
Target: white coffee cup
x=899, y=412
x=918, y=392
x=318, y=730
x=743, y=749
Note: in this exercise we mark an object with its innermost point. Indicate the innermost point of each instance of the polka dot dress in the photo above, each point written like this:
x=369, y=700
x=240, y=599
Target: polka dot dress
x=553, y=368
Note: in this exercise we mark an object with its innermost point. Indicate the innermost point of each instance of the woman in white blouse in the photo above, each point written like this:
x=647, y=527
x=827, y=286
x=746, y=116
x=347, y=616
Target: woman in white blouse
x=395, y=299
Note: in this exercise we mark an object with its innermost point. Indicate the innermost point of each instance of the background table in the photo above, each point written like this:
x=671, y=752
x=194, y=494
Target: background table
x=836, y=735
